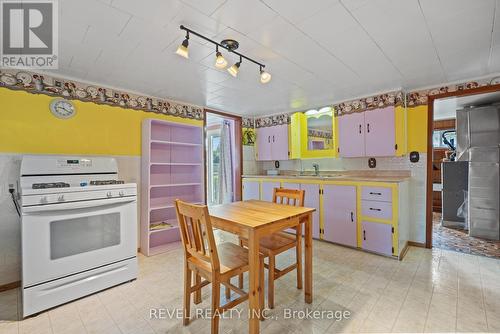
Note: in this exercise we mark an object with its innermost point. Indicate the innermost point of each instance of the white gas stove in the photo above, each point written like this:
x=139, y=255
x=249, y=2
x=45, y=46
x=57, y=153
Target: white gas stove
x=78, y=228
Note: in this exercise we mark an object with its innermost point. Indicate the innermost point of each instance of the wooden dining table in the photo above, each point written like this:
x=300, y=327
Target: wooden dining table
x=254, y=219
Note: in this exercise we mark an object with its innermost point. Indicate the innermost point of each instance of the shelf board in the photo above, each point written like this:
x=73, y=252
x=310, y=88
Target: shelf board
x=174, y=185
x=154, y=141
x=160, y=207
x=172, y=222
x=175, y=163
x=164, y=248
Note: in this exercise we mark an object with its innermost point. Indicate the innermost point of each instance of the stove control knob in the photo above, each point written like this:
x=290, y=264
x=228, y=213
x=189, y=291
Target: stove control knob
x=43, y=200
x=109, y=194
x=121, y=193
x=61, y=198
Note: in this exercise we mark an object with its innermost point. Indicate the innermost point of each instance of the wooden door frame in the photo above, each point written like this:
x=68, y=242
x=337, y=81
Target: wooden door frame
x=430, y=130
x=238, y=152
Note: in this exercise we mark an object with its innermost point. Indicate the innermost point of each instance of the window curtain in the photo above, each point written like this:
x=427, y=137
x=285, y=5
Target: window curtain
x=226, y=191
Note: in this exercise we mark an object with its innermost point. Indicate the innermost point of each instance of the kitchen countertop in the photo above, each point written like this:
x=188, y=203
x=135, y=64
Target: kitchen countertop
x=396, y=177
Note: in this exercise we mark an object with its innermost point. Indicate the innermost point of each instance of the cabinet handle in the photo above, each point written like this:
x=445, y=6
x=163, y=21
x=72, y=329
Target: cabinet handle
x=352, y=216
x=375, y=209
x=268, y=139
x=273, y=139
x=364, y=235
x=360, y=128
x=368, y=127
x=372, y=193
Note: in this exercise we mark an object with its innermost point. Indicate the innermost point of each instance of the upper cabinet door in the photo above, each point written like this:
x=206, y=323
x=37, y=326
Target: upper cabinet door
x=279, y=140
x=352, y=135
x=263, y=143
x=380, y=134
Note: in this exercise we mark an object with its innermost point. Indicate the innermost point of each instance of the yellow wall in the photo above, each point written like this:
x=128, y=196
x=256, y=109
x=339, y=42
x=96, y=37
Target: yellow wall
x=417, y=129
x=28, y=126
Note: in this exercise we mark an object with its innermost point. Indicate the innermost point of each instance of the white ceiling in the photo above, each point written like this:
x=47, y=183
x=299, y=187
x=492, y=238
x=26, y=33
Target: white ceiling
x=447, y=108
x=318, y=51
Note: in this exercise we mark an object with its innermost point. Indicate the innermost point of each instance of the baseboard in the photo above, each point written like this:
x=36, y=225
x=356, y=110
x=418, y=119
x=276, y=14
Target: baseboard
x=10, y=286
x=416, y=244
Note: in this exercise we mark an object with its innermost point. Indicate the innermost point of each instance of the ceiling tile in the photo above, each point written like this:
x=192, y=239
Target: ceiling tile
x=197, y=21
x=207, y=7
x=471, y=21
x=351, y=45
x=243, y=15
x=76, y=14
x=160, y=12
x=298, y=11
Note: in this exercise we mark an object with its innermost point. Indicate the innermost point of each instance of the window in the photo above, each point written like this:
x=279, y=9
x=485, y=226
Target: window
x=213, y=167
x=437, y=139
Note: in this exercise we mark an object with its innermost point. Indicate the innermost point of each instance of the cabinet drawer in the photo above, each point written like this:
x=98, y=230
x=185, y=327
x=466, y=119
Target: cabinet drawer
x=376, y=194
x=376, y=209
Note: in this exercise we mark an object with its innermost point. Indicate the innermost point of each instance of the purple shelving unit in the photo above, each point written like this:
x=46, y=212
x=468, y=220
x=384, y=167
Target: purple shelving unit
x=172, y=167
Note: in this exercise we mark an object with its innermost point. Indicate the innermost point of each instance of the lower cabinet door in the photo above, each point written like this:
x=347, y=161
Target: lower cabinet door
x=268, y=190
x=377, y=237
x=251, y=190
x=311, y=200
x=295, y=186
x=339, y=214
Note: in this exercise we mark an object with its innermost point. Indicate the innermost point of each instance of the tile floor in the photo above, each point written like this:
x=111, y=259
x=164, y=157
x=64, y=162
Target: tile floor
x=429, y=291
x=459, y=240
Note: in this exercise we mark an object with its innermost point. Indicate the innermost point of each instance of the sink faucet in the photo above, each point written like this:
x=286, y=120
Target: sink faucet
x=316, y=169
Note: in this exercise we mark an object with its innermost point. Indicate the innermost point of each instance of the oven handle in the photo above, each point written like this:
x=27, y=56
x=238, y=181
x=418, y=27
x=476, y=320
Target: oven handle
x=77, y=205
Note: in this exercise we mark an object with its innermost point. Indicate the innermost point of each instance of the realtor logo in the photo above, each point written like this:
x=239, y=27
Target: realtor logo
x=29, y=34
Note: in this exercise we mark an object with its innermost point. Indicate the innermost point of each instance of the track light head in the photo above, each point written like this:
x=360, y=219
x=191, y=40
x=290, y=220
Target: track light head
x=233, y=70
x=220, y=61
x=182, y=50
x=265, y=77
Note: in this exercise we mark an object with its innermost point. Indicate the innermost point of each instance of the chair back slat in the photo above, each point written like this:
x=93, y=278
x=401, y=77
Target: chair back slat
x=197, y=233
x=289, y=196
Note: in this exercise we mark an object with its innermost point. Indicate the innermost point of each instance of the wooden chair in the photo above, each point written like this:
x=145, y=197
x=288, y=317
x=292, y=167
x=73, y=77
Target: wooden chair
x=271, y=246
x=217, y=264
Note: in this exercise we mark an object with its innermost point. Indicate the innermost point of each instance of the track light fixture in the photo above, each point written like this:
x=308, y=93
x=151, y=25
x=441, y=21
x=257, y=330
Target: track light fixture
x=182, y=50
x=220, y=62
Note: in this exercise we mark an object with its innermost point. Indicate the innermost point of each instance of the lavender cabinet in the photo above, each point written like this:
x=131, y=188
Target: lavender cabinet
x=263, y=144
x=272, y=143
x=268, y=190
x=367, y=134
x=312, y=201
x=251, y=190
x=351, y=135
x=380, y=137
x=279, y=136
x=377, y=237
x=339, y=214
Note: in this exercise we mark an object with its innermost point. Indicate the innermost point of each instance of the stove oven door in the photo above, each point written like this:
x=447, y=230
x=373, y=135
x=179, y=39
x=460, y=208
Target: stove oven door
x=59, y=240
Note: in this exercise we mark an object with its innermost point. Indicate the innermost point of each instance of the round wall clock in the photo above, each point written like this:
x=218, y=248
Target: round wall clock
x=62, y=108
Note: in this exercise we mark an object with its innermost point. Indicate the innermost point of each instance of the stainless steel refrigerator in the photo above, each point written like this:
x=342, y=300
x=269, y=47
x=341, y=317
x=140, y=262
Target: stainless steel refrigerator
x=478, y=142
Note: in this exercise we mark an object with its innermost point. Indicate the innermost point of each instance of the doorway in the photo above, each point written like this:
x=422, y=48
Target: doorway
x=223, y=154
x=462, y=174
